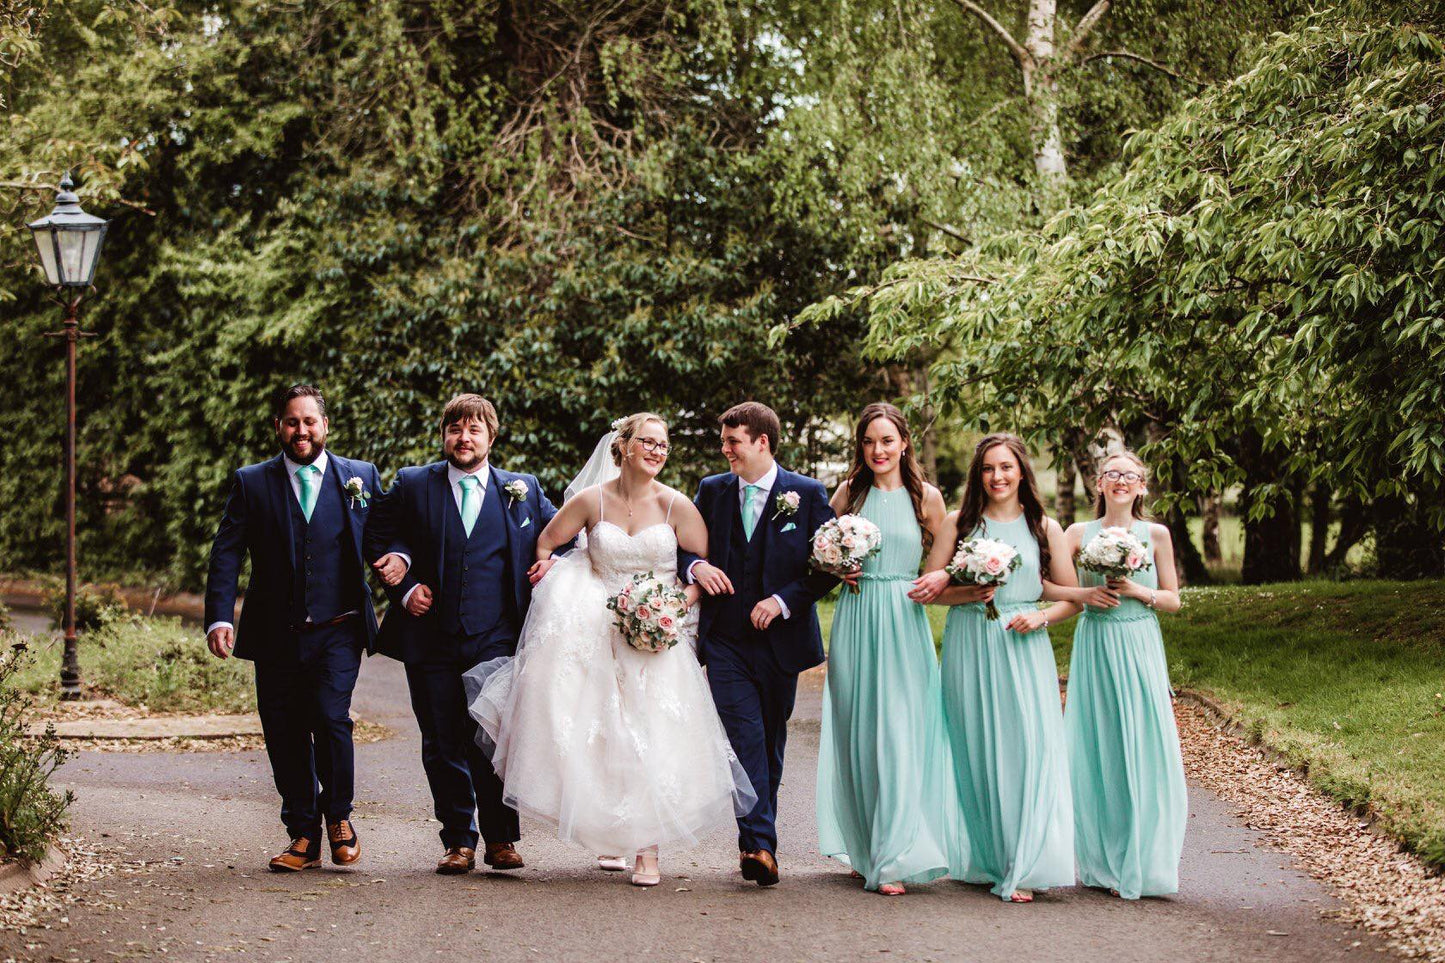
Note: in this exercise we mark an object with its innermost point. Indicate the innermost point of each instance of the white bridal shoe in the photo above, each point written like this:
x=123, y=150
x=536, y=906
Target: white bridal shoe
x=612, y=864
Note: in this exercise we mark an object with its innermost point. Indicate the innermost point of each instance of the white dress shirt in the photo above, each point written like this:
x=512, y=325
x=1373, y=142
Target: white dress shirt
x=292, y=468
x=760, y=500
x=454, y=478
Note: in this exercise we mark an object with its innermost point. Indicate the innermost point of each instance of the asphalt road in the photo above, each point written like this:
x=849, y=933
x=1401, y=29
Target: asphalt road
x=210, y=821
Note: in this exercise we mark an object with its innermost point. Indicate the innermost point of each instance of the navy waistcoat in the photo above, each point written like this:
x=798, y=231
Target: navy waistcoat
x=326, y=578
x=475, y=587
x=745, y=570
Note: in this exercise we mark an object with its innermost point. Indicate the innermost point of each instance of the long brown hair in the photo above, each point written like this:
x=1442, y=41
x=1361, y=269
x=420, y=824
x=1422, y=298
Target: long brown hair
x=970, y=511
x=1137, y=509
x=860, y=476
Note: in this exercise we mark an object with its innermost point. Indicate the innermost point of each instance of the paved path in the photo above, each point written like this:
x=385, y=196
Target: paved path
x=217, y=813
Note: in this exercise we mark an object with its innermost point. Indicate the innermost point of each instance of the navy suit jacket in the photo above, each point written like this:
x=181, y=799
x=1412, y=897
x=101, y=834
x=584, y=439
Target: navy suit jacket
x=411, y=517
x=257, y=520
x=797, y=641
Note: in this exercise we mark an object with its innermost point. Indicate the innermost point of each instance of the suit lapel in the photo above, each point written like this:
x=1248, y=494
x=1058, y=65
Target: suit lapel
x=722, y=519
x=281, y=498
x=340, y=470
x=439, y=499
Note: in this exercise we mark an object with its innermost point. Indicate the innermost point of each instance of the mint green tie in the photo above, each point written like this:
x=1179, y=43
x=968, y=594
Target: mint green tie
x=750, y=511
x=307, y=477
x=471, y=502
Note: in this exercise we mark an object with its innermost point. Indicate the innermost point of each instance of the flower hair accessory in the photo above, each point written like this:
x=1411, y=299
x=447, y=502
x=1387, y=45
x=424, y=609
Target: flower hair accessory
x=617, y=423
x=516, y=489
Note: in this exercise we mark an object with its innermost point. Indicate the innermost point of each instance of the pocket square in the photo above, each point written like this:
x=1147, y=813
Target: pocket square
x=787, y=528
x=525, y=522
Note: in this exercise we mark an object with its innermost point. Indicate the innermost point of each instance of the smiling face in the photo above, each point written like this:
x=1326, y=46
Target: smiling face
x=301, y=430
x=747, y=456
x=647, y=449
x=882, y=446
x=1000, y=474
x=466, y=443
x=1121, y=480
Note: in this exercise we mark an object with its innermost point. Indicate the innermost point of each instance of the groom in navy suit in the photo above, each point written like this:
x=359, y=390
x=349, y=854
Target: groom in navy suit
x=454, y=541
x=306, y=619
x=758, y=627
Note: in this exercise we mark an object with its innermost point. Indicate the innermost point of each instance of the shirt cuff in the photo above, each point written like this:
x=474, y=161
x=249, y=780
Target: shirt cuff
x=405, y=598
x=783, y=605
x=696, y=562
x=404, y=557
x=218, y=625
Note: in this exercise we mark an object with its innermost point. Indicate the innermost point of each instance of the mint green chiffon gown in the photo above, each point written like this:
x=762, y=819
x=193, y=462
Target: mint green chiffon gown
x=1130, y=802
x=884, y=795
x=1006, y=726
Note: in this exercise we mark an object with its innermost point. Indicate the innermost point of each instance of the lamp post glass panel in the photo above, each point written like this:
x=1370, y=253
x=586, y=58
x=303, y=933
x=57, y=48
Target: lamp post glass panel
x=69, y=240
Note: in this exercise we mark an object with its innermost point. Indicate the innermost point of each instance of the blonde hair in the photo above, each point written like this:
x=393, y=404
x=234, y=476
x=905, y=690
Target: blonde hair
x=1137, y=509
x=627, y=428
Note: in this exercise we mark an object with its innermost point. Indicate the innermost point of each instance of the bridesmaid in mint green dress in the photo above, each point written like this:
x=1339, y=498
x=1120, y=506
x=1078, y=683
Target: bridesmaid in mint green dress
x=884, y=792
x=1130, y=802
x=1001, y=700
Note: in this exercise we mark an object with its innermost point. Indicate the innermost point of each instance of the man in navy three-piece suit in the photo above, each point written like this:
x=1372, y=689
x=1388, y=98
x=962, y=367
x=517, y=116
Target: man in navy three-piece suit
x=453, y=542
x=758, y=627
x=306, y=620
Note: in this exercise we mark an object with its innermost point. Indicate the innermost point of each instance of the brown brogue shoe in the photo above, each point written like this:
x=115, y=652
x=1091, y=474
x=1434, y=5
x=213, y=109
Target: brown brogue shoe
x=458, y=861
x=759, y=866
x=503, y=856
x=345, y=846
x=303, y=853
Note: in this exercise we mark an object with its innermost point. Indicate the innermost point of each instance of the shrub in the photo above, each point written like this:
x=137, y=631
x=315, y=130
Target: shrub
x=31, y=814
x=94, y=607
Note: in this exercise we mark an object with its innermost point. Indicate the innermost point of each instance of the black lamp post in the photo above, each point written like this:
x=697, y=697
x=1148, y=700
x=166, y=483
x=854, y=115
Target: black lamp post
x=69, y=242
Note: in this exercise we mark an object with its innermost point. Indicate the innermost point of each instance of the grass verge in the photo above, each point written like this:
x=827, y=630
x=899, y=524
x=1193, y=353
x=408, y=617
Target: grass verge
x=1345, y=679
x=156, y=663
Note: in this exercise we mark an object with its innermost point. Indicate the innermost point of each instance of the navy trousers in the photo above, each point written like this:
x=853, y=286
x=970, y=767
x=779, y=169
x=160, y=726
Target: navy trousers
x=754, y=699
x=304, y=699
x=466, y=793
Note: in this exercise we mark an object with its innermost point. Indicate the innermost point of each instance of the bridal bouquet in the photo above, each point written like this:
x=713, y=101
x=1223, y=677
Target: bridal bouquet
x=650, y=612
x=983, y=561
x=1115, y=553
x=841, y=544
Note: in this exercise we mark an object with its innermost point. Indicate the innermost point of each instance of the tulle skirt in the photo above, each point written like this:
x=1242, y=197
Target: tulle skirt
x=618, y=749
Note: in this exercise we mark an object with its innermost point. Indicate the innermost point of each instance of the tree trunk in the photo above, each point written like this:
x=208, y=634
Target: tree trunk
x=1320, y=515
x=928, y=443
x=1041, y=90
x=1209, y=513
x=1065, y=508
x=1354, y=523
x=1187, y=560
x=1271, y=543
x=1406, y=546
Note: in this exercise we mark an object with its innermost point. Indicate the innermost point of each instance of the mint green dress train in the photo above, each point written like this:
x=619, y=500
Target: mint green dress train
x=1006, y=726
x=1130, y=802
x=884, y=796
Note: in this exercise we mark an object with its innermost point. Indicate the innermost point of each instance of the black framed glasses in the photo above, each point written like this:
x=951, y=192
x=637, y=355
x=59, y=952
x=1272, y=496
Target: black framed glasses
x=654, y=447
x=1131, y=477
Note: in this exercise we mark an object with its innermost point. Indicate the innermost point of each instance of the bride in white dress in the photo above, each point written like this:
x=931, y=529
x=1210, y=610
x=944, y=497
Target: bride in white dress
x=622, y=750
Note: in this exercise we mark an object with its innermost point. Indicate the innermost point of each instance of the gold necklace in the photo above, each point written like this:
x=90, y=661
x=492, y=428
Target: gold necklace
x=625, y=500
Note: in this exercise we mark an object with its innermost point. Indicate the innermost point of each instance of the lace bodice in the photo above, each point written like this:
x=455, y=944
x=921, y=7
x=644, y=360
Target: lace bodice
x=617, y=556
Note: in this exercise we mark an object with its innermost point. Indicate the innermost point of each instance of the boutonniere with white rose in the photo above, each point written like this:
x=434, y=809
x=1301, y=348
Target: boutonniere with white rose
x=516, y=490
x=786, y=504
x=356, y=489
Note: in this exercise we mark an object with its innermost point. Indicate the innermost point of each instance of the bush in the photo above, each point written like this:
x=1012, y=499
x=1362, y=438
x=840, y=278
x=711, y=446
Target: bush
x=31, y=814
x=7, y=624
x=94, y=607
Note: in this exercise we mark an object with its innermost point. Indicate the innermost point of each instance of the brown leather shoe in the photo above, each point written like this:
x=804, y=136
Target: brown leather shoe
x=759, y=866
x=503, y=856
x=458, y=861
x=303, y=853
x=345, y=847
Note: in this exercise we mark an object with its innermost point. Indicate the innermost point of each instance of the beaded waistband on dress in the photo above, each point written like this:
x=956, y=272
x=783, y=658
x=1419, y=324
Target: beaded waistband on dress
x=1105, y=615
x=885, y=577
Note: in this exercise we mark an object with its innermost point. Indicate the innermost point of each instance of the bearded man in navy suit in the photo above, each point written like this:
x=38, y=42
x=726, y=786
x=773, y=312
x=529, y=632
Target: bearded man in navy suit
x=454, y=542
x=758, y=627
x=306, y=619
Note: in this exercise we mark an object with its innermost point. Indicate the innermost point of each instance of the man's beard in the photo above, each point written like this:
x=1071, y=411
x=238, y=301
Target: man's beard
x=455, y=460
x=317, y=447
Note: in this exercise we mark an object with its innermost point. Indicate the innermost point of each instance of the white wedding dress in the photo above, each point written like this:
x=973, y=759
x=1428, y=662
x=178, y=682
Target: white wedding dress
x=617, y=748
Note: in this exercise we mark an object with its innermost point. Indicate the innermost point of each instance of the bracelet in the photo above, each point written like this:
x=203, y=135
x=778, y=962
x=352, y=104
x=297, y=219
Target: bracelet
x=1153, y=599
x=1046, y=621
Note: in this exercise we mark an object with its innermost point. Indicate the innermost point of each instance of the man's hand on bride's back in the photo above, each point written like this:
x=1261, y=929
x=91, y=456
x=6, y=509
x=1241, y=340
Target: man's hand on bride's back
x=540, y=569
x=714, y=581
